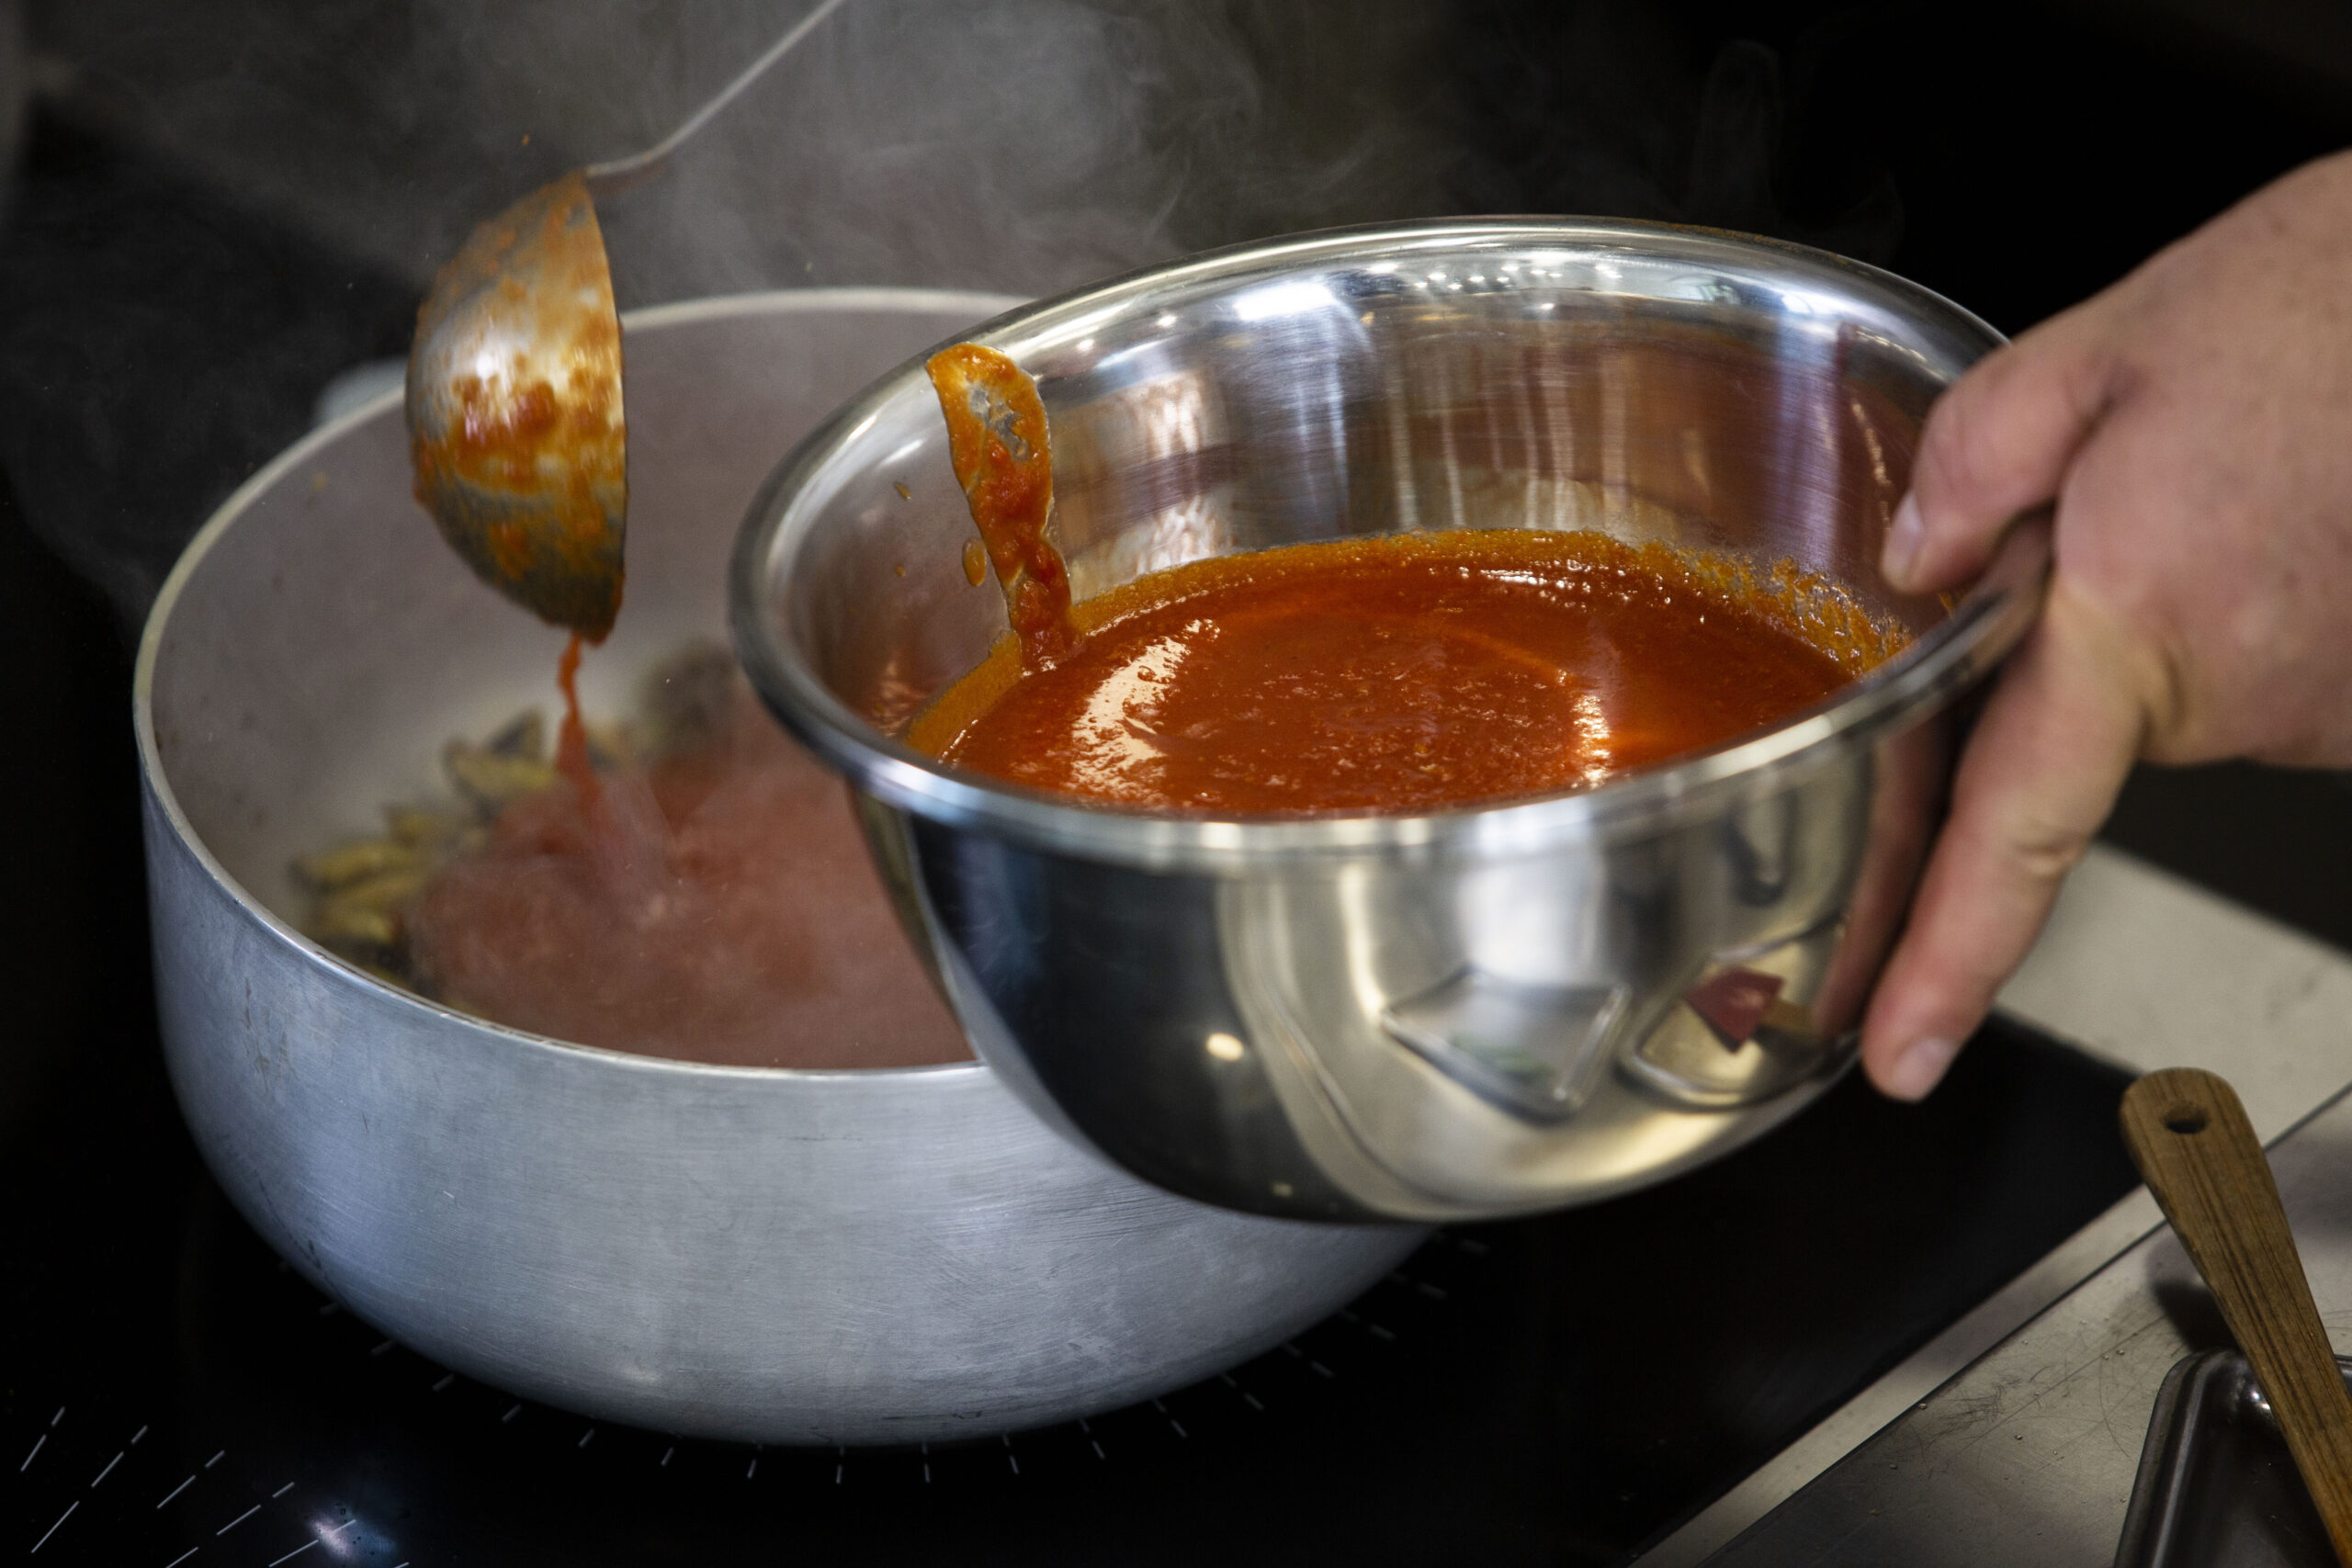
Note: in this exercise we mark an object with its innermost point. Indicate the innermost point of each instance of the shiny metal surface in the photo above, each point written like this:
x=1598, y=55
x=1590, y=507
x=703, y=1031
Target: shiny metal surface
x=2030, y=1456
x=1477, y=1012
x=2149, y=972
x=514, y=401
x=2216, y=1484
x=789, y=1256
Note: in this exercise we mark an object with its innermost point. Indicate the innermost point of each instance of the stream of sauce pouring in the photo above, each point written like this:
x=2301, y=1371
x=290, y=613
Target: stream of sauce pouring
x=571, y=736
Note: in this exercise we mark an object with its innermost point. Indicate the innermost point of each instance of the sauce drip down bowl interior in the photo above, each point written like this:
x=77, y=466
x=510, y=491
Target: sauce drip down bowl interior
x=878, y=1256
x=1478, y=1011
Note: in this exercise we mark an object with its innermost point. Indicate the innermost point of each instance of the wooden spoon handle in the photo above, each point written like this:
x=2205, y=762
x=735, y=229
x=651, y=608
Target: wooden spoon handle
x=2189, y=1137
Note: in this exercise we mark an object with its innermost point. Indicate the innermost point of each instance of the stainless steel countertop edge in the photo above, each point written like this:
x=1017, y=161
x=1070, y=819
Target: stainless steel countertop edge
x=2145, y=970
x=1911, y=1383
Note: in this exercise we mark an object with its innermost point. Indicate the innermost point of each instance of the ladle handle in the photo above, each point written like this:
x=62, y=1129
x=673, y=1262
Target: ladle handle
x=617, y=174
x=2192, y=1141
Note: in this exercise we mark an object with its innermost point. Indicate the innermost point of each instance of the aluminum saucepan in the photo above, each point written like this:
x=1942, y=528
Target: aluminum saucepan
x=777, y=1256
x=1472, y=1012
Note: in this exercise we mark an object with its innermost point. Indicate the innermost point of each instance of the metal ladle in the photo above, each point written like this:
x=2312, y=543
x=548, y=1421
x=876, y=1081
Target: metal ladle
x=514, y=387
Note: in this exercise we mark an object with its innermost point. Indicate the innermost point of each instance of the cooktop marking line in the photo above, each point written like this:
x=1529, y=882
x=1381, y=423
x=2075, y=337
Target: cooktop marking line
x=177, y=1490
x=666, y=1453
x=109, y=1469
x=216, y=1458
x=281, y=1491
x=380, y=1349
x=241, y=1518
x=136, y=1436
x=53, y=1530
x=183, y=1557
x=585, y=1435
x=447, y=1379
x=36, y=1449
x=59, y=1416
x=292, y=1555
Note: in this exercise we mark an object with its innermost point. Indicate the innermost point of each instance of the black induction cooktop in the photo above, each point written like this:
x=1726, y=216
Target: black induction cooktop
x=1558, y=1390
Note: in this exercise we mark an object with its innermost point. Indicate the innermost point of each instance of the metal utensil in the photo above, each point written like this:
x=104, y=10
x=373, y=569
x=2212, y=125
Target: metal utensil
x=1486, y=1010
x=2217, y=1486
x=885, y=1256
x=515, y=419
x=2196, y=1151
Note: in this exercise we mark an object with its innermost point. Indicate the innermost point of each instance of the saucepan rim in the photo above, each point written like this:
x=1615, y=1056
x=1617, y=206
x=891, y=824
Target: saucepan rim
x=1982, y=627
x=158, y=778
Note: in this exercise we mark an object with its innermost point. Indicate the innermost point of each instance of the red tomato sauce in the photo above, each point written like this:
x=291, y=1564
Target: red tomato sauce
x=718, y=905
x=1402, y=673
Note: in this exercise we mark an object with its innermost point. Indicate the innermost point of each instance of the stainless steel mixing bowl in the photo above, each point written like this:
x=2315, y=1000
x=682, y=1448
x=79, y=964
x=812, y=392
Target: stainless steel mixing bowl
x=1473, y=1012
x=785, y=1257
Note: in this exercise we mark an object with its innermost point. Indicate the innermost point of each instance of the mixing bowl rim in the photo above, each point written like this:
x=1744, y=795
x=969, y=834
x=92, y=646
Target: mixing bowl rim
x=157, y=779
x=1982, y=627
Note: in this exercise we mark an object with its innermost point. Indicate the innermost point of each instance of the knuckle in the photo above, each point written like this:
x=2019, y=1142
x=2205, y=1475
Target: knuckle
x=1961, y=449
x=2044, y=850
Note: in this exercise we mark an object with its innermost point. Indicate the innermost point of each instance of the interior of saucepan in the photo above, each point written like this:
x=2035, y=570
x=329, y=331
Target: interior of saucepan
x=320, y=645
x=1652, y=383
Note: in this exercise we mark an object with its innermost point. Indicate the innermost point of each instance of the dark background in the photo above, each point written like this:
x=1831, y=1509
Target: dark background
x=216, y=208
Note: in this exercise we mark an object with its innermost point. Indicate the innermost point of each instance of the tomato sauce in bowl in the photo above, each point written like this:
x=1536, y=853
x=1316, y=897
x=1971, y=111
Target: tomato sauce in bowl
x=1400, y=673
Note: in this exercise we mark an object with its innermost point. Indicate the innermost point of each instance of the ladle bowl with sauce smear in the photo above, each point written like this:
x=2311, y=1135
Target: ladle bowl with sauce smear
x=1451, y=1010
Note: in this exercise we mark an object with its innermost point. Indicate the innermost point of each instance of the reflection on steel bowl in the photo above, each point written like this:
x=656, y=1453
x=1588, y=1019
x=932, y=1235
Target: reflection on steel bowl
x=1458, y=1011
x=780, y=1256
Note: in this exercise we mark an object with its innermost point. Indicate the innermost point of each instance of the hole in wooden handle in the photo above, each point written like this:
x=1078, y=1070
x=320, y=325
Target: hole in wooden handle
x=2186, y=1119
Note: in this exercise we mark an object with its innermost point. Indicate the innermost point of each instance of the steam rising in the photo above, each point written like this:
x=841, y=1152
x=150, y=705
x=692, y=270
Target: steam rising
x=1017, y=145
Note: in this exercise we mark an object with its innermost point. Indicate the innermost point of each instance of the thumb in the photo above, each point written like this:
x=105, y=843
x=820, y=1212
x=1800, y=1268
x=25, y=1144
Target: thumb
x=2040, y=773
x=1998, y=442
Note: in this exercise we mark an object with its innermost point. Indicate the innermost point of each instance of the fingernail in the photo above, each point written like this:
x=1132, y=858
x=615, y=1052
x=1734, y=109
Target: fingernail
x=1901, y=552
x=1921, y=1068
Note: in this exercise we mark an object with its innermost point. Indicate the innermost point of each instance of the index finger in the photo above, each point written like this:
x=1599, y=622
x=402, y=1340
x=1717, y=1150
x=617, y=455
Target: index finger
x=1997, y=444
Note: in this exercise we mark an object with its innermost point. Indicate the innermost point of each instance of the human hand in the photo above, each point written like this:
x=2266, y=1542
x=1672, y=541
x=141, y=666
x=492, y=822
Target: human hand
x=2193, y=425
